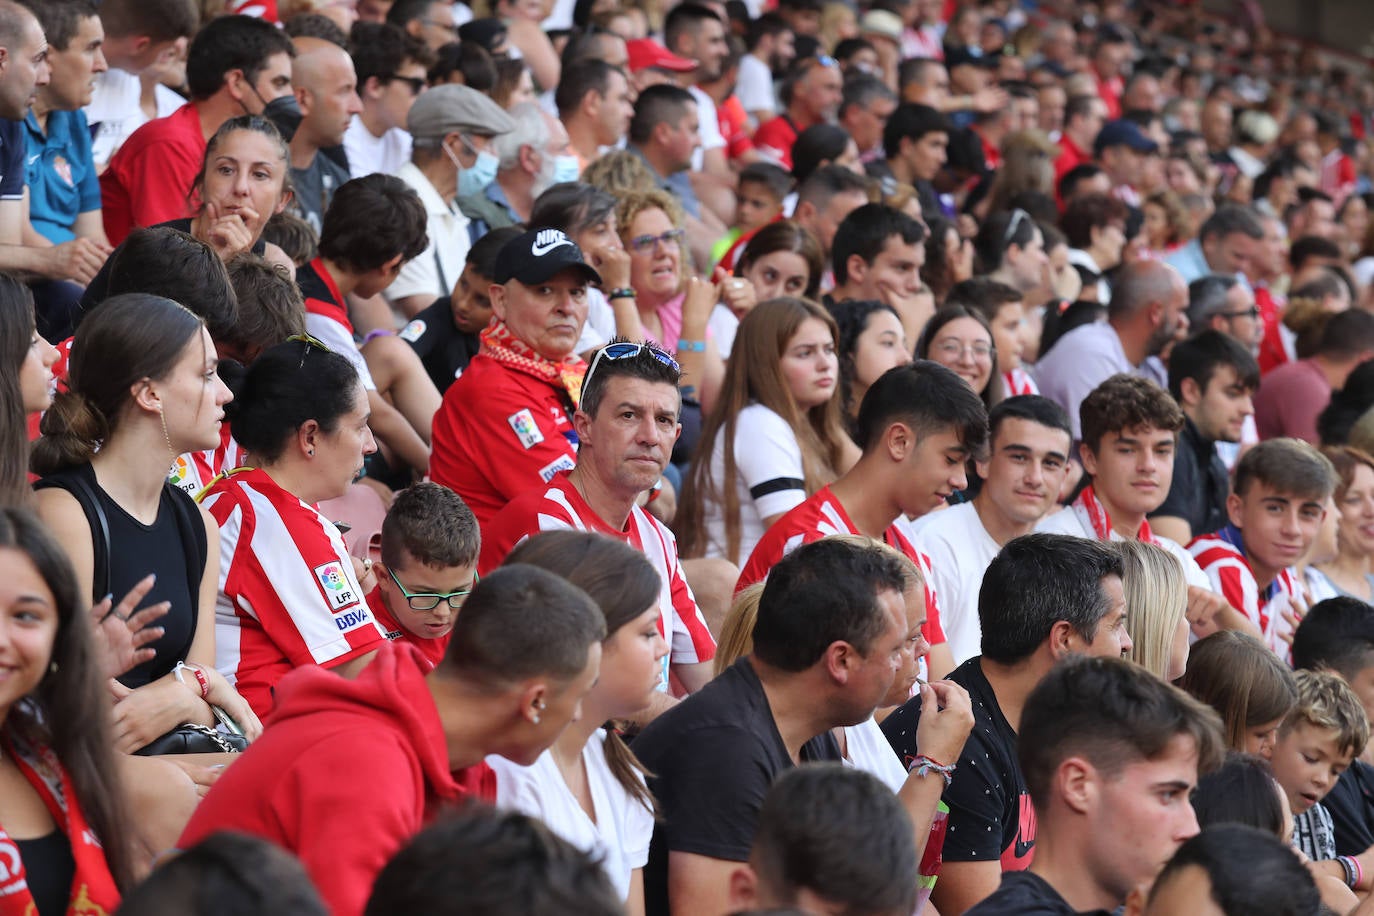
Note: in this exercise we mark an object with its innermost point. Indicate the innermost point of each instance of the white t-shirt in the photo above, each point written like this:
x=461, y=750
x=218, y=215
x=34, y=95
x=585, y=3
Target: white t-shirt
x=869, y=751
x=708, y=127
x=619, y=836
x=769, y=479
x=1078, y=362
x=755, y=86
x=1066, y=521
x=600, y=324
x=368, y=155
x=114, y=112
x=435, y=271
x=960, y=550
x=721, y=327
x=336, y=337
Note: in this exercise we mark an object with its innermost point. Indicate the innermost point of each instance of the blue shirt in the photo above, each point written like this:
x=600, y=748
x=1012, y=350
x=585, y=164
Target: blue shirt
x=61, y=174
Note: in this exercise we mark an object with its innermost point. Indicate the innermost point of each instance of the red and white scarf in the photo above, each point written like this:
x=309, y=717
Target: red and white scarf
x=93, y=891
x=500, y=344
x=1094, y=517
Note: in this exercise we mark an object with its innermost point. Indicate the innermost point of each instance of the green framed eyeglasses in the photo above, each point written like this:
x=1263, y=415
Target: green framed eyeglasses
x=422, y=601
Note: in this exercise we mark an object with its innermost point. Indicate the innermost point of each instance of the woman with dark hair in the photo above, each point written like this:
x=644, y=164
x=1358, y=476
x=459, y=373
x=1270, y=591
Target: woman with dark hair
x=142, y=390
x=65, y=824
x=1095, y=225
x=589, y=787
x=782, y=259
x=959, y=338
x=289, y=594
x=871, y=342
x=1243, y=791
x=821, y=145
x=1011, y=250
x=949, y=258
x=26, y=362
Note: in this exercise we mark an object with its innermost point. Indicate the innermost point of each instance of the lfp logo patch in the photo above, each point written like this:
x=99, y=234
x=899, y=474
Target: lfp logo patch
x=337, y=587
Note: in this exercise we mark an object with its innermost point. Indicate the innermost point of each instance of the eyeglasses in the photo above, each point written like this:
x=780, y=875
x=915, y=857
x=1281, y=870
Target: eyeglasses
x=627, y=350
x=422, y=601
x=647, y=243
x=1252, y=312
x=311, y=343
x=416, y=83
x=1017, y=216
x=953, y=349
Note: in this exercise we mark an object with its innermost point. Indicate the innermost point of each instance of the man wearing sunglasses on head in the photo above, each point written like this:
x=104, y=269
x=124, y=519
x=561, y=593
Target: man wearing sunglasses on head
x=626, y=424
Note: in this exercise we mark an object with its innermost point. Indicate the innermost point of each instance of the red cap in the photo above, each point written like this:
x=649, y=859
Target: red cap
x=646, y=53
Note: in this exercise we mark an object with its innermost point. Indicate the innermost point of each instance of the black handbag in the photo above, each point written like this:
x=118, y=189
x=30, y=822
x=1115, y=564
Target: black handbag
x=194, y=739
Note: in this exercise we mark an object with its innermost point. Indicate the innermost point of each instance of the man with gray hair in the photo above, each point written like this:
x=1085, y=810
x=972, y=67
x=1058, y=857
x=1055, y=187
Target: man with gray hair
x=1226, y=244
x=452, y=128
x=1148, y=309
x=530, y=159
x=1222, y=303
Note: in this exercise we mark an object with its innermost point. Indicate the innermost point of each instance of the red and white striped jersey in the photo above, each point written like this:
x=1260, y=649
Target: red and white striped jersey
x=288, y=596
x=1231, y=576
x=821, y=516
x=193, y=471
x=558, y=506
x=1018, y=381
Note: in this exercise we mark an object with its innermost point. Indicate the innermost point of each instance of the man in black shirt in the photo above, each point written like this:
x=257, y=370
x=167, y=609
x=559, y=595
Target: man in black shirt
x=445, y=335
x=1337, y=635
x=1110, y=754
x=1212, y=376
x=1045, y=596
x=831, y=630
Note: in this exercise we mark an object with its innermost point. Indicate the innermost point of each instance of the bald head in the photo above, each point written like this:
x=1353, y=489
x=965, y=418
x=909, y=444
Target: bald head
x=326, y=90
x=1142, y=284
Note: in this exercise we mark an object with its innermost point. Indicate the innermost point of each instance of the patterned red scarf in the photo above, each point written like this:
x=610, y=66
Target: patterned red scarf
x=93, y=891
x=500, y=344
x=1094, y=517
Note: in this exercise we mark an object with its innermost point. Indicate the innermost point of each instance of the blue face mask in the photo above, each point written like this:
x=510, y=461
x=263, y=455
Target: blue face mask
x=478, y=178
x=565, y=169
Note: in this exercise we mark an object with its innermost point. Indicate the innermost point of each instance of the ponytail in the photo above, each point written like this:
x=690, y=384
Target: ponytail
x=628, y=771
x=72, y=430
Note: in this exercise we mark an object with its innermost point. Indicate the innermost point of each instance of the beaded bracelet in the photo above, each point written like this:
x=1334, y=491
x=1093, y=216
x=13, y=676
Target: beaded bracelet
x=924, y=766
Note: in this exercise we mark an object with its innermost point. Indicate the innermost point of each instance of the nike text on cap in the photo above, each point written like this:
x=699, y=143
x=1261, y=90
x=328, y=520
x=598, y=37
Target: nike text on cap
x=538, y=255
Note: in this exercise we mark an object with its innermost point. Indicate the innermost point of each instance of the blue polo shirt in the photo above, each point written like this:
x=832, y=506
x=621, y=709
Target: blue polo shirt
x=61, y=174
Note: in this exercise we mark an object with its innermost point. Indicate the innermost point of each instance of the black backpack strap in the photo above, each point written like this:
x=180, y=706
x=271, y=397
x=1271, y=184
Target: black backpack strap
x=75, y=483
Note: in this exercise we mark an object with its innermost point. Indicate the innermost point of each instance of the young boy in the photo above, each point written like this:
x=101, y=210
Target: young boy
x=762, y=188
x=1317, y=741
x=445, y=335
x=430, y=543
x=1276, y=509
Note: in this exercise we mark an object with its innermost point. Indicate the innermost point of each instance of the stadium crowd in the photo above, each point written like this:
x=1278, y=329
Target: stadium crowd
x=712, y=457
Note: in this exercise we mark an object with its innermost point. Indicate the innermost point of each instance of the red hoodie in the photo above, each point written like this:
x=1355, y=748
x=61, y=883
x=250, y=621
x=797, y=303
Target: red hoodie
x=344, y=775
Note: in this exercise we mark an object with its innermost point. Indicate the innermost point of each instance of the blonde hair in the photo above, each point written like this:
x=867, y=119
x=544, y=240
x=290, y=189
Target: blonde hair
x=620, y=172
x=1156, y=599
x=1326, y=701
x=634, y=202
x=754, y=375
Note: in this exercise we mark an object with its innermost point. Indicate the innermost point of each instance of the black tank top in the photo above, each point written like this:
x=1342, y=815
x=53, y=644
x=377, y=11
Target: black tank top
x=49, y=868
x=136, y=549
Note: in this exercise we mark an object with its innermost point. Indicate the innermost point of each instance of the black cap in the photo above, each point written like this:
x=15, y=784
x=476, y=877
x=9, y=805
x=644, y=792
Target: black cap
x=538, y=255
x=1123, y=133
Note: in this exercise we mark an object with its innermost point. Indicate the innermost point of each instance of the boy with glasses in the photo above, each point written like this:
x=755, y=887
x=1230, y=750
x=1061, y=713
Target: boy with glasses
x=430, y=542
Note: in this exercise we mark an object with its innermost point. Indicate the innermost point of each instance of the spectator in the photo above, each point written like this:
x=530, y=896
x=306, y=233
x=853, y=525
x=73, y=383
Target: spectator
x=428, y=21
x=663, y=133
x=823, y=202
x=828, y=601
x=1084, y=116
x=1043, y=597
x=1348, y=574
x=327, y=93
x=528, y=374
x=770, y=50
x=26, y=380
x=871, y=342
x=236, y=64
x=696, y=32
x=141, y=384
x=446, y=336
x=594, y=104
x=1236, y=870
x=1095, y=226
x=390, y=68
x=532, y=157
x=878, y=253
x=1146, y=312
x=482, y=862
x=452, y=129
x=865, y=106
x=1011, y=250
x=141, y=38
x=812, y=95
x=1099, y=742
x=1026, y=463
x=1212, y=377
x=914, y=142
x=1223, y=303
x=1157, y=594
x=775, y=436
x=1002, y=308
x=1248, y=686
x=781, y=259
x=613, y=817
x=1119, y=148
x=524, y=652
x=1292, y=396
x=961, y=340
x=1276, y=508
x=1226, y=244
x=600, y=494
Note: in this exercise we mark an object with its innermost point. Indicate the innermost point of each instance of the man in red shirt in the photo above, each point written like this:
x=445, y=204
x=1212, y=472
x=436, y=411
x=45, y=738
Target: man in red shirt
x=1084, y=116
x=815, y=96
x=236, y=65
x=626, y=425
x=352, y=769
x=506, y=424
x=918, y=425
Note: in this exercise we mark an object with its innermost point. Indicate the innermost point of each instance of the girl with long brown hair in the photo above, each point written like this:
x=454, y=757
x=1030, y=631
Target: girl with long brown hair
x=775, y=436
